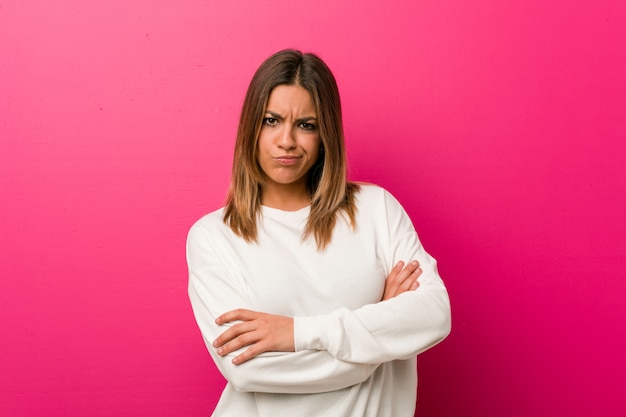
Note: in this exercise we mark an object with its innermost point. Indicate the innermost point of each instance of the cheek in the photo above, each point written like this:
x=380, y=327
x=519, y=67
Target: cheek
x=263, y=147
x=313, y=148
x=260, y=152
x=261, y=142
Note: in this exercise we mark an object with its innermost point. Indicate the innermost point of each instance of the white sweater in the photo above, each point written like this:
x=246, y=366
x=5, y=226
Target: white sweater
x=355, y=355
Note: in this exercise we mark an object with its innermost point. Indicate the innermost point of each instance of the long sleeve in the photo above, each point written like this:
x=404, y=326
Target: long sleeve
x=213, y=290
x=399, y=328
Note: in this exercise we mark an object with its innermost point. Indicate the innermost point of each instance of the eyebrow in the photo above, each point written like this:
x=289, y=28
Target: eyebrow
x=302, y=119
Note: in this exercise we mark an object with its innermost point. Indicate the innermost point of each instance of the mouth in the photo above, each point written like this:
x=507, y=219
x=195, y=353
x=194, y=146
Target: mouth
x=287, y=159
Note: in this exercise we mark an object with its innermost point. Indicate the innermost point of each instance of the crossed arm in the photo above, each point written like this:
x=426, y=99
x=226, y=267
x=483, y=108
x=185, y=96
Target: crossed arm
x=332, y=350
x=261, y=332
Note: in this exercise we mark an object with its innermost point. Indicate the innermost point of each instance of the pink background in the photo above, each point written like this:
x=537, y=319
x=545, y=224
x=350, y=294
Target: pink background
x=501, y=127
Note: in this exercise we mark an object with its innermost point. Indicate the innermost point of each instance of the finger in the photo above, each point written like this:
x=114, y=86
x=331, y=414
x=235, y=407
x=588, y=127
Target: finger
x=416, y=283
x=248, y=354
x=396, y=270
x=411, y=267
x=242, y=340
x=261, y=341
x=406, y=272
x=418, y=272
x=393, y=280
x=403, y=280
x=232, y=333
x=400, y=281
x=409, y=282
x=238, y=314
x=256, y=340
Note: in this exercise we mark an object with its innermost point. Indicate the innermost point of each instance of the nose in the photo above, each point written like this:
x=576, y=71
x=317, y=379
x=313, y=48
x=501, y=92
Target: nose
x=286, y=138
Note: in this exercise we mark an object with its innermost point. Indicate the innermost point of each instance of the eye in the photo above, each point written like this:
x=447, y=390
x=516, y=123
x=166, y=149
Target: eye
x=307, y=126
x=270, y=121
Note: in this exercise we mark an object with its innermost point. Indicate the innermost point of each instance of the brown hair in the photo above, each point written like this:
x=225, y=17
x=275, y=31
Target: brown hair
x=328, y=187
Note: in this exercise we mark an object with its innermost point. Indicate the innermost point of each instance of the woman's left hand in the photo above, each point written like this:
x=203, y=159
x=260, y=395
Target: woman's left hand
x=402, y=278
x=261, y=332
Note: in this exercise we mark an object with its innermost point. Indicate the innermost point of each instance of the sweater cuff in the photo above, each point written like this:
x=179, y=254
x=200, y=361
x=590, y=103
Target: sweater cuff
x=307, y=333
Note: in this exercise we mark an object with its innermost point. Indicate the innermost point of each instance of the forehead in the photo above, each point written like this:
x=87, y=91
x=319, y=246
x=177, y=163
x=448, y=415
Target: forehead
x=290, y=99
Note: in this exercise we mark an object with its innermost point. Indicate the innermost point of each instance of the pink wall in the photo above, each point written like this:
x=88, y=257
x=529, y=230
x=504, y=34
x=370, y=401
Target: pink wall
x=500, y=125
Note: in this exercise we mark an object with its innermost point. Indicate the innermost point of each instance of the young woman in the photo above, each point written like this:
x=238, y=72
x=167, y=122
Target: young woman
x=305, y=286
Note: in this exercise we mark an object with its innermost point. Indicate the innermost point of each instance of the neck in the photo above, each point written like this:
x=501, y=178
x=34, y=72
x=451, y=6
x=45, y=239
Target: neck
x=285, y=197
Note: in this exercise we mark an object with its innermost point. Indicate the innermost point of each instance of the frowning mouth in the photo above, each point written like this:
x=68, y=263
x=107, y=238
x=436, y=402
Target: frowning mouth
x=287, y=159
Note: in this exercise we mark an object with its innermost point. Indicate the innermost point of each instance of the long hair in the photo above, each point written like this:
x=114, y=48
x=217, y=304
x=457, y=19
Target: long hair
x=328, y=186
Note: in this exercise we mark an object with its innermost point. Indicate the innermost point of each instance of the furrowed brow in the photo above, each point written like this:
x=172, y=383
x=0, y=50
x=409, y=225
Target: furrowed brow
x=274, y=115
x=300, y=120
x=306, y=119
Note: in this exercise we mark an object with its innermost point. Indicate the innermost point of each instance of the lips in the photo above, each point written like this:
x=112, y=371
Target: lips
x=287, y=159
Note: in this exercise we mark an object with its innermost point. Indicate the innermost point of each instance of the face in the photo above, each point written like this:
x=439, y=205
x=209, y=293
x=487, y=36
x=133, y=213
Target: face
x=289, y=142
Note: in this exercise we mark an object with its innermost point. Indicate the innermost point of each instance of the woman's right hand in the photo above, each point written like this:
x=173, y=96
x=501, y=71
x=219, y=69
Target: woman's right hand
x=401, y=279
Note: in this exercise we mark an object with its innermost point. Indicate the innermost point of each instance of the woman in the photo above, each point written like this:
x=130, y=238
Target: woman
x=299, y=284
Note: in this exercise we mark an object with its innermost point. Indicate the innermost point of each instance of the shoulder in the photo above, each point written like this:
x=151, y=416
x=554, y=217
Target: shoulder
x=372, y=194
x=375, y=202
x=208, y=225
